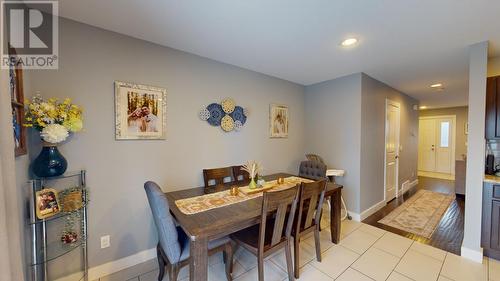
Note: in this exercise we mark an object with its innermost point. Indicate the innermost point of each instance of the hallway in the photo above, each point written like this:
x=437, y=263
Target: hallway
x=450, y=231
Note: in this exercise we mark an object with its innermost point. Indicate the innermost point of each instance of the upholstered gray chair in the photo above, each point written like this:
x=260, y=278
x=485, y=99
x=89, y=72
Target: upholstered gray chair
x=314, y=170
x=173, y=244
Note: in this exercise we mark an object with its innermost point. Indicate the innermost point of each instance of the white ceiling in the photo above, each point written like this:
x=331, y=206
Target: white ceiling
x=408, y=44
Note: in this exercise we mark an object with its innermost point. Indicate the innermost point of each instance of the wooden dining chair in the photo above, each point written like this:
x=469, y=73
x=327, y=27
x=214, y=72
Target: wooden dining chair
x=239, y=174
x=173, y=249
x=218, y=175
x=274, y=231
x=308, y=218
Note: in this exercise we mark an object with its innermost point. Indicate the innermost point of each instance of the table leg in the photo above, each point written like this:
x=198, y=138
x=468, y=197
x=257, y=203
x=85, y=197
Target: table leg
x=198, y=265
x=335, y=213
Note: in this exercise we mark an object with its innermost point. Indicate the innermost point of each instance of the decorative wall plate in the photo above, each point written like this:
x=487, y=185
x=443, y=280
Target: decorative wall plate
x=226, y=115
x=216, y=114
x=228, y=105
x=227, y=123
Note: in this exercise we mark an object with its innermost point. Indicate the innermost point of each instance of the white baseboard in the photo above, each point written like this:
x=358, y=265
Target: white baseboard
x=407, y=185
x=368, y=212
x=117, y=265
x=473, y=255
x=355, y=216
x=372, y=210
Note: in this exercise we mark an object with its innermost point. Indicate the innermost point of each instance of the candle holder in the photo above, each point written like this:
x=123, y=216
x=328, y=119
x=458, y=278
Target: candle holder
x=281, y=180
x=234, y=191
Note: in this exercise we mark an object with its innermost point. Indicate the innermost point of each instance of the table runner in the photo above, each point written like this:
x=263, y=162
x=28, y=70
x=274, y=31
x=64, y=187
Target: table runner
x=207, y=202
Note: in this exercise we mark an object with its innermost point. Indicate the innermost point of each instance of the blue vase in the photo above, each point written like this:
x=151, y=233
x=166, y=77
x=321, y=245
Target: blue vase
x=49, y=163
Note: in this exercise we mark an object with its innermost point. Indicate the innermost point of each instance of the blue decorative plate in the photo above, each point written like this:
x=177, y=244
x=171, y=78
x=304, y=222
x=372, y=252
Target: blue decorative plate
x=216, y=114
x=239, y=115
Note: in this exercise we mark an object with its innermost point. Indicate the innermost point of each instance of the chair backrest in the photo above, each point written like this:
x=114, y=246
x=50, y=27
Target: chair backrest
x=278, y=202
x=218, y=175
x=311, y=197
x=312, y=170
x=239, y=174
x=315, y=157
x=165, y=224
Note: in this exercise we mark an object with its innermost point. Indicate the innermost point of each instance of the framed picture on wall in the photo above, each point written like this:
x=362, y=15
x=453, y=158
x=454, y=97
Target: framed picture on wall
x=140, y=111
x=278, y=121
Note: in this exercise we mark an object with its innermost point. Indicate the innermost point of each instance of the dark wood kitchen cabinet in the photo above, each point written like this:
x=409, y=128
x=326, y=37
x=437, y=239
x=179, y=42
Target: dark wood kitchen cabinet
x=493, y=108
x=490, y=237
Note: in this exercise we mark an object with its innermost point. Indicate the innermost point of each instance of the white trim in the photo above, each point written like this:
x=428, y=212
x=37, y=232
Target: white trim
x=120, y=264
x=355, y=216
x=368, y=212
x=407, y=185
x=373, y=209
x=398, y=105
x=473, y=255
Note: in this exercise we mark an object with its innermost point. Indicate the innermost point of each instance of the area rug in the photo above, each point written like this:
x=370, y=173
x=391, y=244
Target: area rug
x=420, y=214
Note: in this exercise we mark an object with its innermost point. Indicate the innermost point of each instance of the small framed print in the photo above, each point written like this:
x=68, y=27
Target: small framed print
x=140, y=111
x=47, y=203
x=278, y=121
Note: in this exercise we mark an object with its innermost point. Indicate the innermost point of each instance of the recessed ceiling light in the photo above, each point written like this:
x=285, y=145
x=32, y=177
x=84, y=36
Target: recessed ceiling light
x=349, y=42
x=437, y=85
x=423, y=107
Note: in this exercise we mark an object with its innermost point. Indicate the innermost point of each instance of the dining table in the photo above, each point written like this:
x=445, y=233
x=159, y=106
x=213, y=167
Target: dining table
x=215, y=223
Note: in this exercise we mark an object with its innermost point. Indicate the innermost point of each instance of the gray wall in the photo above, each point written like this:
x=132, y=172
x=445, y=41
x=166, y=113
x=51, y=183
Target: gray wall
x=374, y=95
x=91, y=59
x=345, y=120
x=462, y=116
x=333, y=118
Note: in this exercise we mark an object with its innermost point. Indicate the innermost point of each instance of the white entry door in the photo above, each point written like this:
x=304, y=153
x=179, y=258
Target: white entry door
x=436, y=147
x=391, y=149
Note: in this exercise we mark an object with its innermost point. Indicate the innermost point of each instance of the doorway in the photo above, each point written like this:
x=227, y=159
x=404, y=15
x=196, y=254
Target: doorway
x=436, y=147
x=392, y=128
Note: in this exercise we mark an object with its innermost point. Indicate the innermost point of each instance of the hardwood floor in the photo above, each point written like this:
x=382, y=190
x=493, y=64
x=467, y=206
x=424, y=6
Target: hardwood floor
x=450, y=231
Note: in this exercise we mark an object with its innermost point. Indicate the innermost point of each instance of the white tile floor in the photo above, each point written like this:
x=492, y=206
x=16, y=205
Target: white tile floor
x=364, y=253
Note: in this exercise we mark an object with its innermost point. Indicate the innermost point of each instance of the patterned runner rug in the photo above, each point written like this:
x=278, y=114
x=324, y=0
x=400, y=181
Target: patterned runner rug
x=420, y=214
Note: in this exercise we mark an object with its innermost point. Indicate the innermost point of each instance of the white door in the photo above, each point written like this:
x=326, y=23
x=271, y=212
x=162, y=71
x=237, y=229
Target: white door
x=443, y=145
x=427, y=145
x=391, y=149
x=436, y=148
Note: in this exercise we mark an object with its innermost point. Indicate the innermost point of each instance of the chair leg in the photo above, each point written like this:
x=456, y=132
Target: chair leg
x=289, y=265
x=174, y=272
x=296, y=256
x=260, y=266
x=228, y=254
x=161, y=263
x=317, y=243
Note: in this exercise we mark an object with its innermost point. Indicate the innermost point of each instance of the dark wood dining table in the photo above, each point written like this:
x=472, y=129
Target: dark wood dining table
x=219, y=222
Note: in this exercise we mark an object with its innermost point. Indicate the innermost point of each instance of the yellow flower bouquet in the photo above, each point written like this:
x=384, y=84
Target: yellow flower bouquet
x=54, y=119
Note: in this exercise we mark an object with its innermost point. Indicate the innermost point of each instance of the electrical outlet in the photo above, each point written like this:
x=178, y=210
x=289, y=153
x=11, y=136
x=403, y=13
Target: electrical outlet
x=105, y=241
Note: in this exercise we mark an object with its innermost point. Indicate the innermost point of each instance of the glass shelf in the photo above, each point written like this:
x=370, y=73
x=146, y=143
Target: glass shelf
x=58, y=249
x=70, y=174
x=58, y=216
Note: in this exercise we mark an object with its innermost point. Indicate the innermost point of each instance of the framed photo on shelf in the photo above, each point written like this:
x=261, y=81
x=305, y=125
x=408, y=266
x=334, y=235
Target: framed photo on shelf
x=47, y=204
x=278, y=121
x=140, y=111
x=17, y=103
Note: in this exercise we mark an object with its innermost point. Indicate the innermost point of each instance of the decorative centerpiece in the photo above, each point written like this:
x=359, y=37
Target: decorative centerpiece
x=252, y=168
x=55, y=121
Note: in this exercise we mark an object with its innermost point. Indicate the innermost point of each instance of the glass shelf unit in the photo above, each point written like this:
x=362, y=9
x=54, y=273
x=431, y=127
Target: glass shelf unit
x=48, y=252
